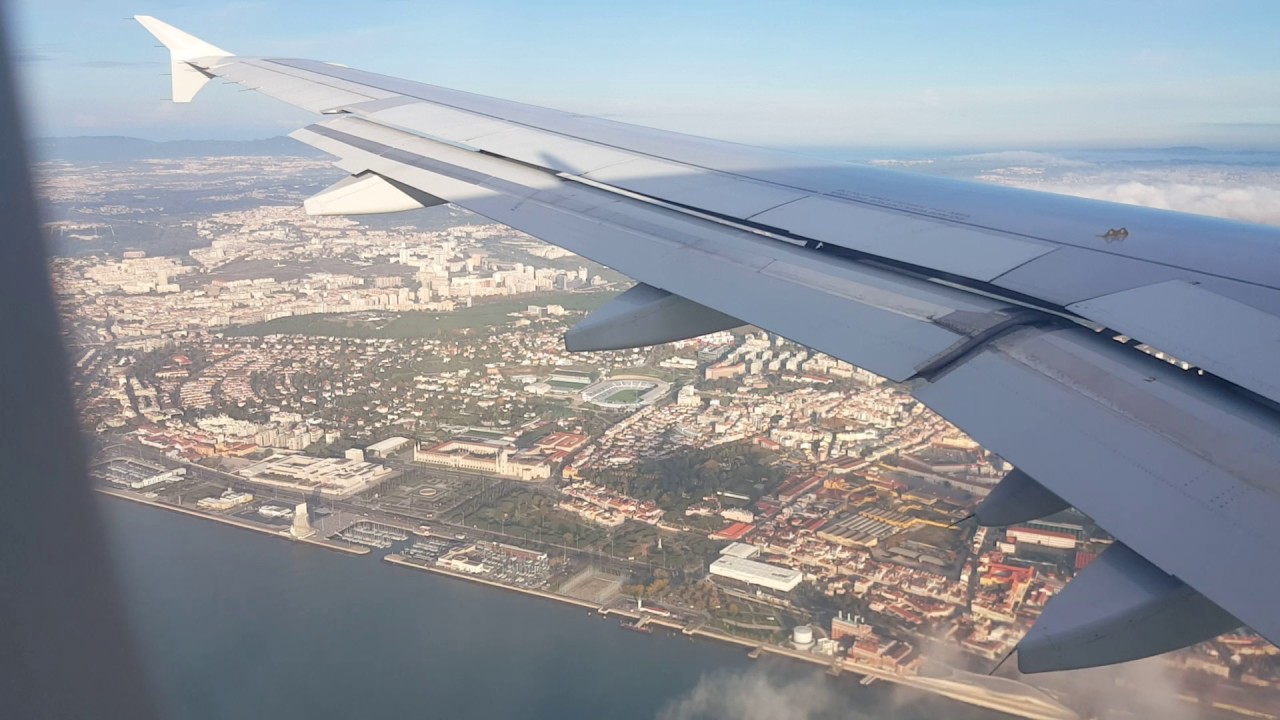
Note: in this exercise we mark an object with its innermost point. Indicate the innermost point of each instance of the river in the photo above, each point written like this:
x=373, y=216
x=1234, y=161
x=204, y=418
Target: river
x=234, y=624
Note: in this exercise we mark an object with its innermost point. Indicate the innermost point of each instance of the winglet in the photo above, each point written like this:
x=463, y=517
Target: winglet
x=188, y=78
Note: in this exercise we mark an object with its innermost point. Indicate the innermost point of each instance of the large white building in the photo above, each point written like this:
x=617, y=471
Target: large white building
x=742, y=550
x=688, y=397
x=757, y=573
x=483, y=457
x=339, y=477
x=1045, y=538
x=227, y=500
x=388, y=447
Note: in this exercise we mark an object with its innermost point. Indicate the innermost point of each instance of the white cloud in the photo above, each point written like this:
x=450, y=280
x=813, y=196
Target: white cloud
x=759, y=695
x=1255, y=199
x=1146, y=689
x=1240, y=186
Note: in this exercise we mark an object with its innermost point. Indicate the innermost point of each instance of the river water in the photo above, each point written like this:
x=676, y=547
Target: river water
x=234, y=624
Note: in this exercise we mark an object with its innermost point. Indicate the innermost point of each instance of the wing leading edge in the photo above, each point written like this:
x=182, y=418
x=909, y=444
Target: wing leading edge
x=973, y=296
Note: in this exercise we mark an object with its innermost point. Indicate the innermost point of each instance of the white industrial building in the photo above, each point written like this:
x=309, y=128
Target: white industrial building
x=388, y=447
x=1044, y=538
x=756, y=573
x=337, y=477
x=742, y=550
x=227, y=500
x=173, y=475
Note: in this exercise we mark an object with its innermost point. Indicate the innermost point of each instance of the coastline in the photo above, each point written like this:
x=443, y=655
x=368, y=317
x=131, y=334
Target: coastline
x=316, y=540
x=1002, y=695
x=981, y=695
x=967, y=688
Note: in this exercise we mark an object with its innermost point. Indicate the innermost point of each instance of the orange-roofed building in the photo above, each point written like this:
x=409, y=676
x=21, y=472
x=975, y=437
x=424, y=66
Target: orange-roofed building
x=736, y=531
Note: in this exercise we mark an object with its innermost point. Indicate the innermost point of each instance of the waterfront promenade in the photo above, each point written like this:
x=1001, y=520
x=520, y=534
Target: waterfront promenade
x=1006, y=696
x=273, y=531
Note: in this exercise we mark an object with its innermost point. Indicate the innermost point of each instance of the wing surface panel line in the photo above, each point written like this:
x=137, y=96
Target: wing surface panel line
x=852, y=201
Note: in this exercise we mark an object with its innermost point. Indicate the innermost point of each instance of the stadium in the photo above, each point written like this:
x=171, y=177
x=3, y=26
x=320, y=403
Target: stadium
x=626, y=393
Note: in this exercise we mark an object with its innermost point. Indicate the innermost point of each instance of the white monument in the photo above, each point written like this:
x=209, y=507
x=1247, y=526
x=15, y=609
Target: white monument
x=301, y=527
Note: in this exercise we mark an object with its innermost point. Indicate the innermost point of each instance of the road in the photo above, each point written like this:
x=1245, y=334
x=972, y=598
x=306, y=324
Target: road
x=369, y=509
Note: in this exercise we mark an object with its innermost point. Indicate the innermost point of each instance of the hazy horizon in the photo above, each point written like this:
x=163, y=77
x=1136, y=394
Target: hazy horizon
x=824, y=149
x=989, y=75
x=1234, y=184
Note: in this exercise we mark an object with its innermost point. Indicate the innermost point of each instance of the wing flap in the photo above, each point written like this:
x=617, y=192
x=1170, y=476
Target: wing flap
x=1182, y=475
x=1120, y=608
x=1238, y=342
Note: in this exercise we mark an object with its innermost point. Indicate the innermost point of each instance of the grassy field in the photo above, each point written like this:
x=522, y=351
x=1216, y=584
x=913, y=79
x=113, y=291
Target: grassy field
x=400, y=326
x=626, y=395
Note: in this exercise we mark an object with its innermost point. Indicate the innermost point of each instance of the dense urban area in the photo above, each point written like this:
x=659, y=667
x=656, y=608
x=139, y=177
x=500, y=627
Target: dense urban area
x=398, y=385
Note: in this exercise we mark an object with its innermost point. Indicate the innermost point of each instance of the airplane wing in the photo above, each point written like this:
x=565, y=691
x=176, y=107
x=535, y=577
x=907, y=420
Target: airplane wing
x=1016, y=315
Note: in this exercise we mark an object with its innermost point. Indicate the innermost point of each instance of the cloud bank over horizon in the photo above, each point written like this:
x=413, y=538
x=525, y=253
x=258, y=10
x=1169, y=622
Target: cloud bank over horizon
x=1235, y=186
x=1254, y=200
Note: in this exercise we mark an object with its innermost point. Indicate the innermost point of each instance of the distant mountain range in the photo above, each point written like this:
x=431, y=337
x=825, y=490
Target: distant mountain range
x=125, y=149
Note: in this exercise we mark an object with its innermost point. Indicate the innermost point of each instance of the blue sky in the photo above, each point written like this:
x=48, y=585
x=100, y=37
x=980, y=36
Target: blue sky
x=992, y=74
